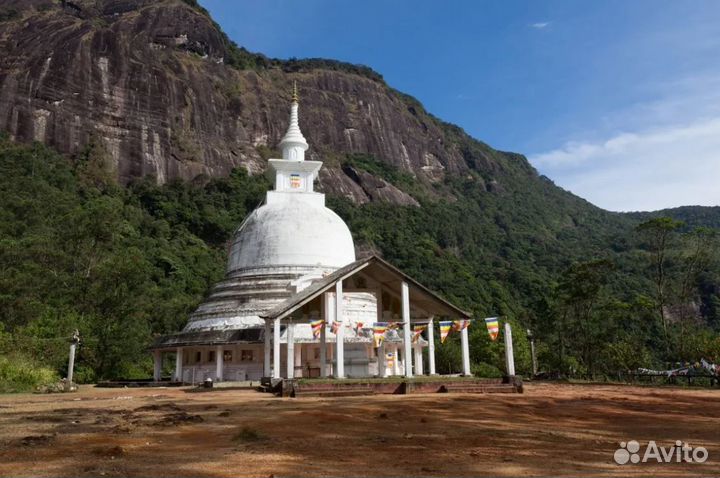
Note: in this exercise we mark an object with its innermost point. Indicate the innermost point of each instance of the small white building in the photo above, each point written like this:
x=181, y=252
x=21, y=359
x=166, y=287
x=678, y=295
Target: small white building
x=290, y=261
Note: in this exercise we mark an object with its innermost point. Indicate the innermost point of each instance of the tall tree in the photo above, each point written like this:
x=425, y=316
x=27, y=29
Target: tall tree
x=658, y=234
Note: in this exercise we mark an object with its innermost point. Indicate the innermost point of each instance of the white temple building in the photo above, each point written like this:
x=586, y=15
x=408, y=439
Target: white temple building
x=292, y=262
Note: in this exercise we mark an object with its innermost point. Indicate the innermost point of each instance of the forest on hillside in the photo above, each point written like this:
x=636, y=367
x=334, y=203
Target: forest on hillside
x=601, y=292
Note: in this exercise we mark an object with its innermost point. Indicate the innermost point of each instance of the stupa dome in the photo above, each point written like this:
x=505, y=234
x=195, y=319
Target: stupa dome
x=290, y=235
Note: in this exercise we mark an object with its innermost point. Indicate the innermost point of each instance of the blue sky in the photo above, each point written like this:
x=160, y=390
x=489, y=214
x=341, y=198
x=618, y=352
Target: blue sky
x=617, y=101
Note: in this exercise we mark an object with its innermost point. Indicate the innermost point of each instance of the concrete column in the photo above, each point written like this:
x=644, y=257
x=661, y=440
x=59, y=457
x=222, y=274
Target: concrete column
x=179, y=364
x=298, y=361
x=267, y=351
x=219, y=363
x=396, y=362
x=290, y=349
x=276, y=349
x=509, y=357
x=340, y=336
x=323, y=334
x=431, y=346
x=407, y=353
x=157, y=362
x=465, y=351
x=382, y=360
x=71, y=363
x=418, y=361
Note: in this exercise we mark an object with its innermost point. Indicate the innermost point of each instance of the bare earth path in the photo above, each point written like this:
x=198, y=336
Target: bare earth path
x=549, y=430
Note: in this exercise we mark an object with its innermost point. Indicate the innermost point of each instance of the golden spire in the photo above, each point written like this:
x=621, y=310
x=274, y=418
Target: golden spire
x=295, y=98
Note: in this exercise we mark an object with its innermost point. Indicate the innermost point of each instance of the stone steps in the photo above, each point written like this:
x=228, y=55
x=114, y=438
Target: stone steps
x=490, y=388
x=346, y=392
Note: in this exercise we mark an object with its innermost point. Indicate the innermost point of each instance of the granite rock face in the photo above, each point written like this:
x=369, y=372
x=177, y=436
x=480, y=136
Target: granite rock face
x=149, y=81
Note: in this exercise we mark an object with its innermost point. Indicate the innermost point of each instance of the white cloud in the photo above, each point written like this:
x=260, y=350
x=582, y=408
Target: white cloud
x=540, y=25
x=668, y=166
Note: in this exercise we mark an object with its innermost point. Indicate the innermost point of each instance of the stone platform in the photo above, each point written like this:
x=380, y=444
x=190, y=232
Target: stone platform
x=391, y=386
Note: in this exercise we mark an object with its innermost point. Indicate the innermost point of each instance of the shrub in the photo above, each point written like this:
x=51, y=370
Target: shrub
x=18, y=374
x=482, y=369
x=247, y=434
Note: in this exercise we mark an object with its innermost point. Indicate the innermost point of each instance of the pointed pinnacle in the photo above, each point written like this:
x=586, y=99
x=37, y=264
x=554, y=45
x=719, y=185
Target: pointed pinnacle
x=295, y=98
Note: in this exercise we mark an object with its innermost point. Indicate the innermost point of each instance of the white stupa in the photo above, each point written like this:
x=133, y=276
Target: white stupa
x=281, y=247
x=284, y=245
x=292, y=267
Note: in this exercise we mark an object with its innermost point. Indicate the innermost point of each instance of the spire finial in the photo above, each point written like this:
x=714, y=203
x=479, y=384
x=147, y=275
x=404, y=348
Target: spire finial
x=295, y=98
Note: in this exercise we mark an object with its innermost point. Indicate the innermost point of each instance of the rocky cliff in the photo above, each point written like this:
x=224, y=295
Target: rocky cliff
x=152, y=81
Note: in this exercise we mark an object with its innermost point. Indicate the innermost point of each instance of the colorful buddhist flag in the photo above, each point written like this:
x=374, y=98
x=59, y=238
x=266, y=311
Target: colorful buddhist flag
x=335, y=326
x=493, y=326
x=459, y=325
x=417, y=331
x=317, y=326
x=379, y=329
x=295, y=181
x=445, y=328
x=393, y=325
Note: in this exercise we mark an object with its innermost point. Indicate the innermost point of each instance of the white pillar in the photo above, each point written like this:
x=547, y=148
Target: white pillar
x=465, y=351
x=290, y=335
x=276, y=349
x=298, y=361
x=509, y=358
x=431, y=346
x=179, y=364
x=396, y=361
x=382, y=360
x=71, y=363
x=219, y=362
x=267, y=371
x=157, y=362
x=418, y=360
x=327, y=313
x=407, y=353
x=340, y=336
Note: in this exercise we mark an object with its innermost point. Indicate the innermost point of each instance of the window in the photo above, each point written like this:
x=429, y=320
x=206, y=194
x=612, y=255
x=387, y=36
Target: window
x=317, y=353
x=198, y=357
x=246, y=356
x=227, y=356
x=211, y=356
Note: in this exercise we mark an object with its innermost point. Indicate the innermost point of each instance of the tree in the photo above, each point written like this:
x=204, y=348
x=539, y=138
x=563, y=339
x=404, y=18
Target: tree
x=658, y=234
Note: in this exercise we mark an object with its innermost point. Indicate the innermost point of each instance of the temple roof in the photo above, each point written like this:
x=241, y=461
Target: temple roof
x=420, y=296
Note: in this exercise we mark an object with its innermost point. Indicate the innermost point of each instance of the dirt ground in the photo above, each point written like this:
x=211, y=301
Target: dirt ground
x=551, y=429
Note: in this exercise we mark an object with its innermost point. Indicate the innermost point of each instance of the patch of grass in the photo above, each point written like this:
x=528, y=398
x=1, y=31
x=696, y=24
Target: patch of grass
x=247, y=434
x=18, y=374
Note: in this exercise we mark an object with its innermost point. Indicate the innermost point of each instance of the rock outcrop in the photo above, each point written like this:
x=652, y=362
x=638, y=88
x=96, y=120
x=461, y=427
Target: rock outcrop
x=149, y=80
